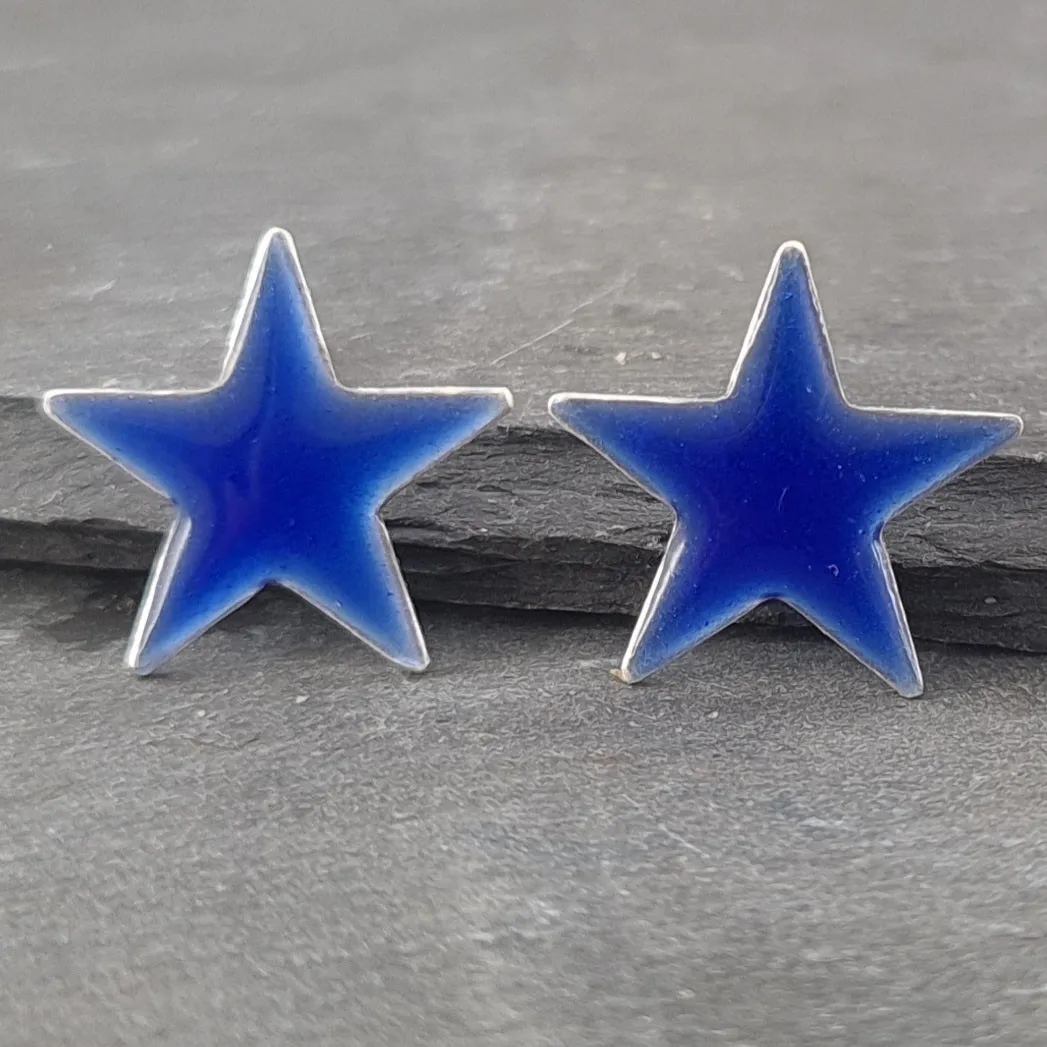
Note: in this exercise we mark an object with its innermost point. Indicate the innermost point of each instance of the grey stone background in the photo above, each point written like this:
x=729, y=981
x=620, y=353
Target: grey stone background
x=546, y=195
x=285, y=841
x=464, y=175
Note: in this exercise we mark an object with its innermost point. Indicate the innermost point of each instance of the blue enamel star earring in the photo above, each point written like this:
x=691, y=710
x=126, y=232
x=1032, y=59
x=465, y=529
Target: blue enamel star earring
x=277, y=474
x=780, y=489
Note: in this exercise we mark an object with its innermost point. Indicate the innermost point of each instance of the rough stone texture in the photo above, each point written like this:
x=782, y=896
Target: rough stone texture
x=464, y=176
x=530, y=518
x=285, y=841
x=548, y=195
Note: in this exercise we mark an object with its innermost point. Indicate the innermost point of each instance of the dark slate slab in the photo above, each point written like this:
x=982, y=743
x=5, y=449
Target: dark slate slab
x=545, y=195
x=549, y=196
x=530, y=518
x=285, y=841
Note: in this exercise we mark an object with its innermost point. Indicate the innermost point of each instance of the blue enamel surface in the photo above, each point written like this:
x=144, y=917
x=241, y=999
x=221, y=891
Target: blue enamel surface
x=781, y=489
x=277, y=474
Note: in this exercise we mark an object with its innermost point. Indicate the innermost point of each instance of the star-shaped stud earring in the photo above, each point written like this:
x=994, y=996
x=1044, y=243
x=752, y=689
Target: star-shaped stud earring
x=277, y=474
x=780, y=489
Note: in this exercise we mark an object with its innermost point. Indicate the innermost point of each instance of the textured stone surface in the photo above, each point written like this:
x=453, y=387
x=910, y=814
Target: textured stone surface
x=550, y=196
x=531, y=518
x=466, y=176
x=285, y=841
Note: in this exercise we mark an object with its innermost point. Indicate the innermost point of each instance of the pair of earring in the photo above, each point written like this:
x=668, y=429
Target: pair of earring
x=780, y=489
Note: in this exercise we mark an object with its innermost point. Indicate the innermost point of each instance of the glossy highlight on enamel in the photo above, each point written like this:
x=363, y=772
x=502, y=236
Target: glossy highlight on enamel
x=277, y=474
x=780, y=489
